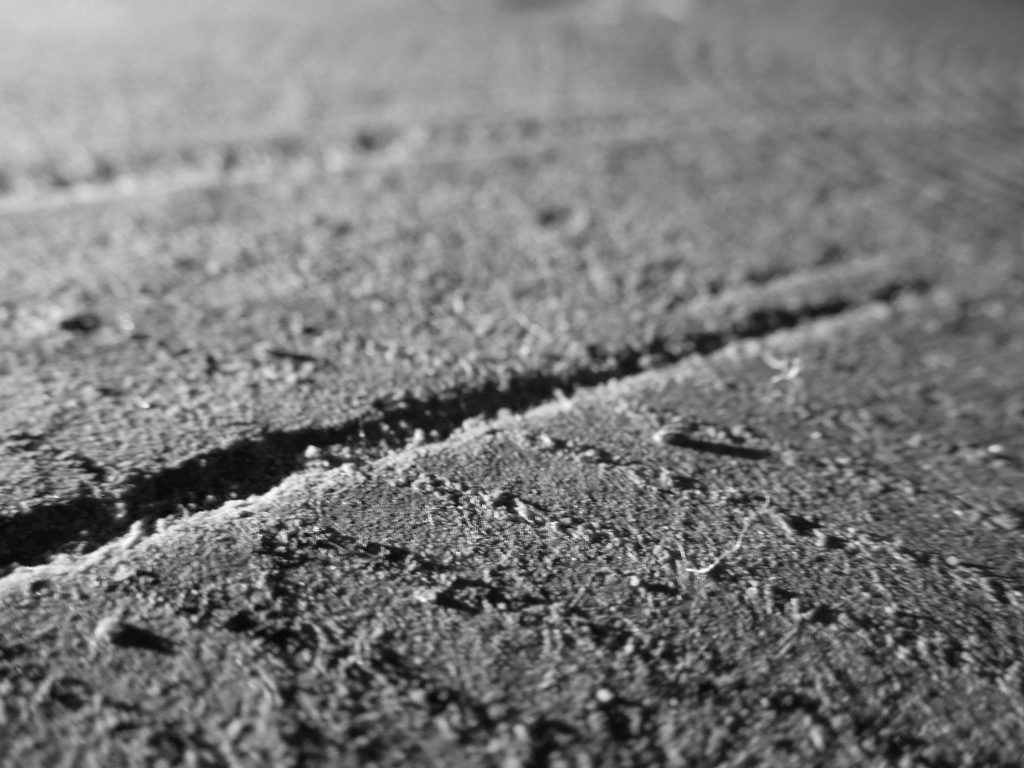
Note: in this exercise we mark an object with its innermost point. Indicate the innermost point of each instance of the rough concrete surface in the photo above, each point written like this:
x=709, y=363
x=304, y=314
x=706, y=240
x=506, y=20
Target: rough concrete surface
x=515, y=383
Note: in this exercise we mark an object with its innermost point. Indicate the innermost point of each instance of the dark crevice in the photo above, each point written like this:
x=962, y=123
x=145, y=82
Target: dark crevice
x=254, y=466
x=720, y=449
x=131, y=636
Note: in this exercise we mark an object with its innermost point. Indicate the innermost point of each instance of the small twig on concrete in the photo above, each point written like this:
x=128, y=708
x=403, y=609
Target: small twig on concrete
x=706, y=569
x=787, y=369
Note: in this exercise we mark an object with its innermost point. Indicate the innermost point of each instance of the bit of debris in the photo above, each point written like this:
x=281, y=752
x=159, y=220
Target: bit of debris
x=703, y=570
x=816, y=735
x=553, y=215
x=528, y=512
x=635, y=478
x=604, y=695
x=669, y=480
x=426, y=595
x=113, y=630
x=1006, y=521
x=565, y=402
x=83, y=322
x=668, y=435
x=105, y=628
x=499, y=498
x=547, y=442
x=787, y=368
x=122, y=573
x=372, y=139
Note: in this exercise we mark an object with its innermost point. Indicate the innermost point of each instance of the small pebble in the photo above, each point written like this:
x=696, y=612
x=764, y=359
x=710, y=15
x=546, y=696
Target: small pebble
x=426, y=595
x=106, y=629
x=968, y=515
x=546, y=441
x=604, y=695
x=817, y=737
x=582, y=534
x=497, y=712
x=662, y=554
x=665, y=435
x=1006, y=521
x=527, y=512
x=553, y=215
x=123, y=572
x=635, y=478
x=350, y=468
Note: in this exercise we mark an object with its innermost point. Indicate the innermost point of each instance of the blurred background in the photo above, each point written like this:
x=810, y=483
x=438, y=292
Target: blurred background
x=93, y=91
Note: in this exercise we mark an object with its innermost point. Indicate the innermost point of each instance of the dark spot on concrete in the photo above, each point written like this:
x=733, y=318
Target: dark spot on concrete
x=57, y=180
x=289, y=146
x=83, y=322
x=169, y=747
x=243, y=621
x=104, y=170
x=132, y=636
x=553, y=215
x=833, y=253
x=335, y=227
x=372, y=139
x=230, y=159
x=70, y=693
x=722, y=449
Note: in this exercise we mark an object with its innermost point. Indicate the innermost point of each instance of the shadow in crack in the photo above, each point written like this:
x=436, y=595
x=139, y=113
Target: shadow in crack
x=256, y=465
x=721, y=449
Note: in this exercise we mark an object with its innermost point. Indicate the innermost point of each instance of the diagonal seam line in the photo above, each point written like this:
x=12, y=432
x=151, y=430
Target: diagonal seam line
x=255, y=466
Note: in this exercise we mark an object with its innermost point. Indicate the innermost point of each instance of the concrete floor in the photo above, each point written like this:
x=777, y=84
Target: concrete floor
x=514, y=383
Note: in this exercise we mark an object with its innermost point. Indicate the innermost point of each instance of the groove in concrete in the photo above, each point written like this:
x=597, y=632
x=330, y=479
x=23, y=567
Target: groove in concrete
x=254, y=466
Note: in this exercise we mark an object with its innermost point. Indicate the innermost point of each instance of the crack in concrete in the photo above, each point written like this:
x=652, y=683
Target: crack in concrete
x=256, y=466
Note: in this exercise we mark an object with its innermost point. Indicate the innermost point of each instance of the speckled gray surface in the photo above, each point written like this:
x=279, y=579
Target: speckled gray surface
x=379, y=381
